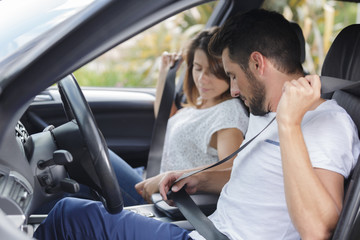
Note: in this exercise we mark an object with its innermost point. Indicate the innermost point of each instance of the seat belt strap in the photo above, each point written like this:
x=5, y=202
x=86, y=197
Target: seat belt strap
x=225, y=159
x=195, y=216
x=331, y=84
x=159, y=129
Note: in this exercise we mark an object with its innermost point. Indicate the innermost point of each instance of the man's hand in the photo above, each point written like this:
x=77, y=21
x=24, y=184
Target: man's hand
x=298, y=97
x=169, y=178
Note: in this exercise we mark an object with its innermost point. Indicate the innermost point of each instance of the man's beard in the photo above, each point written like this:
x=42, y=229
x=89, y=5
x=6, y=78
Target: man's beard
x=256, y=102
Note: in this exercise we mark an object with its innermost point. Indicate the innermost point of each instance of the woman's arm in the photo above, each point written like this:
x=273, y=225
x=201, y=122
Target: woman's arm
x=213, y=180
x=226, y=141
x=149, y=186
x=167, y=61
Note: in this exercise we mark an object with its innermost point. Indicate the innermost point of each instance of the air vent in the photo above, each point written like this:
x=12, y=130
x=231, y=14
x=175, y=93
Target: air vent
x=18, y=193
x=20, y=132
x=2, y=181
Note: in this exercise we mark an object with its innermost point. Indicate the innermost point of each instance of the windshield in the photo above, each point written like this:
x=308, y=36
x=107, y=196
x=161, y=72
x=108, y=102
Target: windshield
x=20, y=25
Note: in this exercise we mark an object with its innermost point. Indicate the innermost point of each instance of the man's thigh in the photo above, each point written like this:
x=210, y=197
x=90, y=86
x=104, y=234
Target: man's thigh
x=74, y=218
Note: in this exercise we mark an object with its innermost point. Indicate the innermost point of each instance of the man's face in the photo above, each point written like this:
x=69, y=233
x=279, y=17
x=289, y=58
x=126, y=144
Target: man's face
x=245, y=85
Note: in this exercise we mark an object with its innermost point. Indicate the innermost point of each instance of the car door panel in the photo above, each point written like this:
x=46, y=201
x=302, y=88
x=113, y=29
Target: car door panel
x=124, y=116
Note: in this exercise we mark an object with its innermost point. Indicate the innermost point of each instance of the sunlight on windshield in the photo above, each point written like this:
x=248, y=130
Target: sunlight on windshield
x=20, y=25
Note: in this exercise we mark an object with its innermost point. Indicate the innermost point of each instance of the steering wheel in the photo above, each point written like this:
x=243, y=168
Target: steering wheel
x=76, y=107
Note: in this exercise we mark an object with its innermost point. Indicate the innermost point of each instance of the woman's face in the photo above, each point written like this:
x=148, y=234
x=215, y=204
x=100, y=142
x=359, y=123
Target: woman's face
x=209, y=86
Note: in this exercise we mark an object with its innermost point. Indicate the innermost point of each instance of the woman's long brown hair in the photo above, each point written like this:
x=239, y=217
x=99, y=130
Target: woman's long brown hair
x=201, y=41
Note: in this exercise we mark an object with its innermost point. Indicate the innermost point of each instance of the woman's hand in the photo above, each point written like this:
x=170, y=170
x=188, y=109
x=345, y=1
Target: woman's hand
x=168, y=60
x=149, y=186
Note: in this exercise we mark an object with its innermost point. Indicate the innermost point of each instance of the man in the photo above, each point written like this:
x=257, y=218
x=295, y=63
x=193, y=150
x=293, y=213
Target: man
x=288, y=182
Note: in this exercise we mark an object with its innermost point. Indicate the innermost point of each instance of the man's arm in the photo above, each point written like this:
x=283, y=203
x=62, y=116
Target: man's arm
x=210, y=181
x=313, y=196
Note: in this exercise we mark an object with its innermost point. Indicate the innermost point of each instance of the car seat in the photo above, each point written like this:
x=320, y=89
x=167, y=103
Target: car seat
x=343, y=61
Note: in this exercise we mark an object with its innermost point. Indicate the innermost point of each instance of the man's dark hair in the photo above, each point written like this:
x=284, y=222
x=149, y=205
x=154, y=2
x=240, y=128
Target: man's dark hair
x=259, y=30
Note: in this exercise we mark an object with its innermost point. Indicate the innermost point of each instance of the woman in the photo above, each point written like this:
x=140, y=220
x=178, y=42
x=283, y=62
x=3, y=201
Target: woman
x=209, y=127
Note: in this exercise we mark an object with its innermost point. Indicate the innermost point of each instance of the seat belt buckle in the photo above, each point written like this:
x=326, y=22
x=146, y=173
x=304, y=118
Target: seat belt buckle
x=169, y=194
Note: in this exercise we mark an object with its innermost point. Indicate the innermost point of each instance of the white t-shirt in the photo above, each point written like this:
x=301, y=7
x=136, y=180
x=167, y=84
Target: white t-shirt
x=189, y=132
x=252, y=204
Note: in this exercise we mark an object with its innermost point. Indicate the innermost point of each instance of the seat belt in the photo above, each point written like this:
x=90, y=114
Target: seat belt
x=225, y=159
x=331, y=84
x=195, y=216
x=159, y=129
x=192, y=212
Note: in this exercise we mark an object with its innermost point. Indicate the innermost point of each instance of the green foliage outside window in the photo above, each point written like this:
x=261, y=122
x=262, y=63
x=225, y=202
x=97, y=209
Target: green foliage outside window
x=320, y=21
x=135, y=62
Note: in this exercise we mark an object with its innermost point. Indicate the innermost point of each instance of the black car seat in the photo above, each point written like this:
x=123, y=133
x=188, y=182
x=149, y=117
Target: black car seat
x=343, y=61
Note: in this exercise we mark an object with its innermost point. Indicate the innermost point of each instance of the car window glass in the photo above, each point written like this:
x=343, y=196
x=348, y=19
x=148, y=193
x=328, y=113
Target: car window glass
x=33, y=18
x=135, y=62
x=320, y=21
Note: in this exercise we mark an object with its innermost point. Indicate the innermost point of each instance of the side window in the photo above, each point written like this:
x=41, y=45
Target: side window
x=320, y=21
x=135, y=63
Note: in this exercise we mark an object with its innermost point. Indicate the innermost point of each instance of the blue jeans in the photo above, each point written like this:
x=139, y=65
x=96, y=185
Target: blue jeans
x=74, y=218
x=127, y=178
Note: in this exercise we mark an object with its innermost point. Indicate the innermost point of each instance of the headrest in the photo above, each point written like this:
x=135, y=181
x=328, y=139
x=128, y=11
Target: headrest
x=300, y=35
x=343, y=57
x=343, y=61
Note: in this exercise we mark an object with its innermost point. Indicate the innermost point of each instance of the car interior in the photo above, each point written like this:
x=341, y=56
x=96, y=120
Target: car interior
x=123, y=121
x=344, y=52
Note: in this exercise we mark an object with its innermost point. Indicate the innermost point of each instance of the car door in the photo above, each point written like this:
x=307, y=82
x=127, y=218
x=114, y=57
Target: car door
x=124, y=116
x=122, y=99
